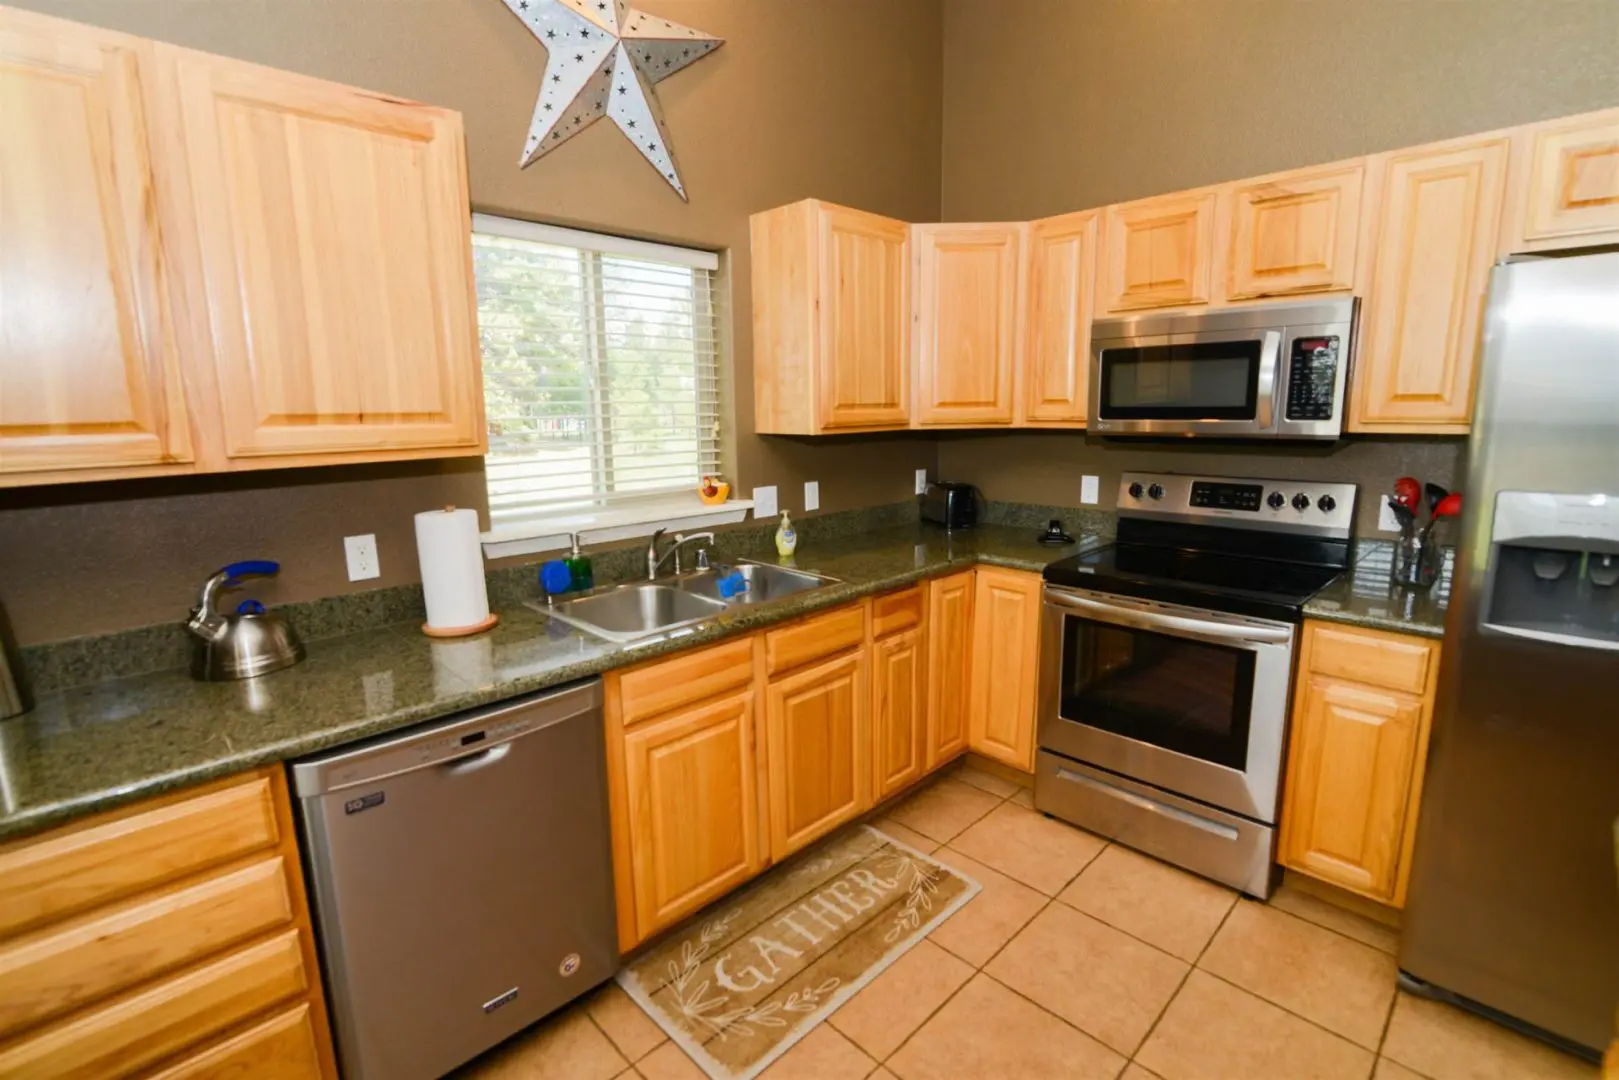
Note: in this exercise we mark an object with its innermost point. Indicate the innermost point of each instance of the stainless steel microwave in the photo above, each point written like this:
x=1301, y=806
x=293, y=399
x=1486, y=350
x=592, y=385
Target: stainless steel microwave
x=1278, y=371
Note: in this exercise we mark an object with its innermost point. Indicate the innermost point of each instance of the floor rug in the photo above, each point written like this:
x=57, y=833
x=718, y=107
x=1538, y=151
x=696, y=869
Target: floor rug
x=737, y=987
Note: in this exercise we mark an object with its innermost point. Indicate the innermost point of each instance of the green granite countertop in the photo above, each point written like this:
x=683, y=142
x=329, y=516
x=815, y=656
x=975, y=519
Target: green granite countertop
x=1368, y=596
x=107, y=744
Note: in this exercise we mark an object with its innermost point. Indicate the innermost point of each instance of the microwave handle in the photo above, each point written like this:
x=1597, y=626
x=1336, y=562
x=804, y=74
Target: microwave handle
x=1173, y=624
x=1270, y=351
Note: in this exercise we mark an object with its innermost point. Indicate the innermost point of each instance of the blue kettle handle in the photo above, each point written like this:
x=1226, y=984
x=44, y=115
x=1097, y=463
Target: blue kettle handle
x=235, y=572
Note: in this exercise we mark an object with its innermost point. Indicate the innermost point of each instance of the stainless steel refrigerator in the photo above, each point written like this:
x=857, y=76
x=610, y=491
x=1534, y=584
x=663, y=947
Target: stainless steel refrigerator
x=1514, y=904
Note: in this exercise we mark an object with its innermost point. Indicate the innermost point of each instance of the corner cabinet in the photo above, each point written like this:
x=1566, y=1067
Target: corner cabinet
x=245, y=268
x=831, y=320
x=969, y=299
x=1057, y=338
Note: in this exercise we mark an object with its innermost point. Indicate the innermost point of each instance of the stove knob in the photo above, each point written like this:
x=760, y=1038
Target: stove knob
x=1301, y=501
x=1135, y=490
x=1327, y=504
x=1276, y=500
x=1156, y=491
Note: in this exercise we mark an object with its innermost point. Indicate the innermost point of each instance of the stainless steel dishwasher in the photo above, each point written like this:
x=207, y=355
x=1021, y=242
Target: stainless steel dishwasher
x=462, y=876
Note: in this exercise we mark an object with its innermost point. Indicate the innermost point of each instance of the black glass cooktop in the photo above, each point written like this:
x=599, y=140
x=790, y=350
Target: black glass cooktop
x=1244, y=585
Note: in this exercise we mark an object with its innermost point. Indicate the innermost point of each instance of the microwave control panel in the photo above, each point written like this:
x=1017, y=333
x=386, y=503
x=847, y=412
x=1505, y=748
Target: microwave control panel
x=1312, y=376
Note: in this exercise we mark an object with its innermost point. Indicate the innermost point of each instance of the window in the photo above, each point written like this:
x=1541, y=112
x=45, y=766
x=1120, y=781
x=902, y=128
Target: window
x=600, y=368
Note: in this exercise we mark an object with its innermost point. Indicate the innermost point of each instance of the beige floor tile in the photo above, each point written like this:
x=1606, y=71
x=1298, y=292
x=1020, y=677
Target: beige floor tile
x=1101, y=980
x=1174, y=910
x=925, y=844
x=629, y=1074
x=624, y=1022
x=987, y=1031
x=1133, y=1071
x=669, y=1062
x=882, y=1074
x=1325, y=913
x=988, y=921
x=1213, y=1029
x=1388, y=1069
x=1030, y=847
x=884, y=1013
x=823, y=1054
x=1344, y=986
x=567, y=1046
x=998, y=786
x=944, y=809
x=1024, y=798
x=1445, y=1043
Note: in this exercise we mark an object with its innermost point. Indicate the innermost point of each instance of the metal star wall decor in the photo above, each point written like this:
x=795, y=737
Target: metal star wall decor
x=603, y=58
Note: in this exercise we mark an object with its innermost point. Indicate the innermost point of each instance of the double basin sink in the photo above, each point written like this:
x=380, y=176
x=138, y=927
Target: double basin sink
x=628, y=612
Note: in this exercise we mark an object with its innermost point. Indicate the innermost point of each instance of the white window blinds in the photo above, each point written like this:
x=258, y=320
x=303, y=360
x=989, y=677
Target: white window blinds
x=600, y=367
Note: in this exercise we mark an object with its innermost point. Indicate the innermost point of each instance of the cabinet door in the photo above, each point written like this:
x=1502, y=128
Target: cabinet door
x=898, y=710
x=865, y=289
x=693, y=809
x=818, y=739
x=88, y=375
x=1439, y=216
x=968, y=298
x=1296, y=233
x=1056, y=364
x=1005, y=665
x=332, y=239
x=1158, y=253
x=1349, y=784
x=1566, y=184
x=950, y=647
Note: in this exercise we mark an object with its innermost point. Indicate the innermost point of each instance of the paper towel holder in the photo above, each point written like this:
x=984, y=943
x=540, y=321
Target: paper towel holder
x=460, y=631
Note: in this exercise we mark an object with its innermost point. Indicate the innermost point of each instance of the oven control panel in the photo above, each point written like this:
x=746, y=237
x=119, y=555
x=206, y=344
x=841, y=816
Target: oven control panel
x=1306, y=507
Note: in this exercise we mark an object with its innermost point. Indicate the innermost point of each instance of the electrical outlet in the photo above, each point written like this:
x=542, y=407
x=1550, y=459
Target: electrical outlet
x=812, y=495
x=362, y=556
x=921, y=481
x=1090, y=490
x=1386, y=521
x=764, y=502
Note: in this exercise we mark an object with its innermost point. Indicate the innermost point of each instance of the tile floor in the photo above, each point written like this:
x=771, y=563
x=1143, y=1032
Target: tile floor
x=1083, y=959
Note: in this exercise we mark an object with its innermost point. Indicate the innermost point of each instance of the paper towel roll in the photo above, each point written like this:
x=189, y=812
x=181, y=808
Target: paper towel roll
x=452, y=568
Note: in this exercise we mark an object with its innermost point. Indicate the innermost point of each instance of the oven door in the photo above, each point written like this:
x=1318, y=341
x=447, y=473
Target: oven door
x=1188, y=700
x=1204, y=383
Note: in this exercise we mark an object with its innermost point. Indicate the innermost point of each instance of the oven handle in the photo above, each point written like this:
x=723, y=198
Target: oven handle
x=1151, y=620
x=1270, y=351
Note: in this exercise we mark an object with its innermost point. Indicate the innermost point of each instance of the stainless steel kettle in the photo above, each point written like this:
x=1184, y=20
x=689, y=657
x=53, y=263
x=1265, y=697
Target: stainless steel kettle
x=249, y=641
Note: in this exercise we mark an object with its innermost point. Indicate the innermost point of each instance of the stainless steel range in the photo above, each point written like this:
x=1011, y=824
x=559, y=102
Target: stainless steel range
x=1166, y=662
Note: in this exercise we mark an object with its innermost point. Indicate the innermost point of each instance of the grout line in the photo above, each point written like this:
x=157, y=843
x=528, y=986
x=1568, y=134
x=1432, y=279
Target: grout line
x=1193, y=966
x=1313, y=1023
x=1334, y=929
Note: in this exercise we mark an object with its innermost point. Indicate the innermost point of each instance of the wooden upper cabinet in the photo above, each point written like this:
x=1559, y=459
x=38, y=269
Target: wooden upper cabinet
x=1295, y=232
x=1056, y=356
x=1436, y=238
x=817, y=750
x=330, y=232
x=950, y=645
x=1565, y=189
x=968, y=301
x=831, y=320
x=1005, y=665
x=1158, y=253
x=88, y=374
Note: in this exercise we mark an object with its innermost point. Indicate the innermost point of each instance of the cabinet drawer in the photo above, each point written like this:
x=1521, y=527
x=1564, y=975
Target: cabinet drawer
x=814, y=638
x=65, y=967
x=1391, y=661
x=896, y=611
x=132, y=1033
x=681, y=680
x=284, y=1046
x=72, y=871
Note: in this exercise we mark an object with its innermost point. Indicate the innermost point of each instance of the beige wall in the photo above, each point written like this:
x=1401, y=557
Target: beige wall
x=1058, y=105
x=834, y=98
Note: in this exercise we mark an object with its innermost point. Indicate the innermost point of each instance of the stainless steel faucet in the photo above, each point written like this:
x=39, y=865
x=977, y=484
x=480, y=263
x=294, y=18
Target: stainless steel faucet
x=655, y=561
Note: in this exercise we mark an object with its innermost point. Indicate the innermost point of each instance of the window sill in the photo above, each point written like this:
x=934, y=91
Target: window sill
x=550, y=533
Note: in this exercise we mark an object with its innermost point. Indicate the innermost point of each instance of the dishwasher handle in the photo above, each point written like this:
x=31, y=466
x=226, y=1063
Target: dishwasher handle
x=478, y=759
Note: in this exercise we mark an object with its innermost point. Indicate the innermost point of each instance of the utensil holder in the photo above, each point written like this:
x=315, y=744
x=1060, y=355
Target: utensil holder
x=1416, y=559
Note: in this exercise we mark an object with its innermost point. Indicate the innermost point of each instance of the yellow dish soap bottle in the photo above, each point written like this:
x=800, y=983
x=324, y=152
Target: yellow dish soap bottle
x=786, y=536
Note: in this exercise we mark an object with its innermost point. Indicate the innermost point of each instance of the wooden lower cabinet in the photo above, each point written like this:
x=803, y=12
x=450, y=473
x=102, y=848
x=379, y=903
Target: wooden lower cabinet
x=1356, y=762
x=898, y=711
x=172, y=936
x=818, y=742
x=950, y=643
x=1005, y=665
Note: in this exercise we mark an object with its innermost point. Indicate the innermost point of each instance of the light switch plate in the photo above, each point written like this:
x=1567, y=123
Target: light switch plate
x=812, y=495
x=1386, y=521
x=1090, y=489
x=362, y=557
x=921, y=481
x=764, y=502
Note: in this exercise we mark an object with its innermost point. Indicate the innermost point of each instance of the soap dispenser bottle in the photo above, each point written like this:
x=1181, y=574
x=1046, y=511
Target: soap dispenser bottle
x=786, y=536
x=580, y=573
